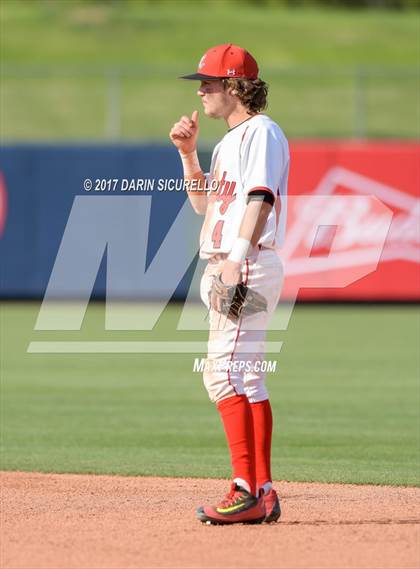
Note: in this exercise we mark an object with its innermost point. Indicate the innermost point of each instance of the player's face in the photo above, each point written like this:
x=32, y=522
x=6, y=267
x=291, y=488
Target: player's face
x=217, y=101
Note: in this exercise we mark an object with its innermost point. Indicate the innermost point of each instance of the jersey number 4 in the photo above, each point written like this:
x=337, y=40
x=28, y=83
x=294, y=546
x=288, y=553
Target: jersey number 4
x=216, y=236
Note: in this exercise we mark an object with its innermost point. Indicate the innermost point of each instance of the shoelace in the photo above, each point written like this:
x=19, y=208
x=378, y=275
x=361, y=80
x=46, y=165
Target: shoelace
x=231, y=498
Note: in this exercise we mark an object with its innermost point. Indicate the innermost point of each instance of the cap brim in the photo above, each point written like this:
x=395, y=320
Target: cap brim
x=200, y=77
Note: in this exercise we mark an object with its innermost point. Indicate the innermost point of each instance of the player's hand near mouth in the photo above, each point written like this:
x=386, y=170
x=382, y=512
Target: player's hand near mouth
x=184, y=136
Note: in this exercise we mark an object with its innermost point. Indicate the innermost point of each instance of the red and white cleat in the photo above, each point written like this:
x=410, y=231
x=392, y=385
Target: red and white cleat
x=238, y=507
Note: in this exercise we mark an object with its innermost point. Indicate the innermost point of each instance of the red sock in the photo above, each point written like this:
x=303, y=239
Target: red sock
x=263, y=429
x=237, y=420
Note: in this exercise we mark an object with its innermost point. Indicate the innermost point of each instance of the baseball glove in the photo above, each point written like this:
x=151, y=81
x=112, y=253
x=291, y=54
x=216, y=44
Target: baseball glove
x=235, y=300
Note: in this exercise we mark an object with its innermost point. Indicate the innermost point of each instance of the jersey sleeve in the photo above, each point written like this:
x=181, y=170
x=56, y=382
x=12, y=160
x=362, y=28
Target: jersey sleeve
x=264, y=159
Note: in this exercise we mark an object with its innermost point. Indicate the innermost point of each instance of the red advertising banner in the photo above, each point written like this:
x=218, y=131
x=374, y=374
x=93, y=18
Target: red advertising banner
x=390, y=171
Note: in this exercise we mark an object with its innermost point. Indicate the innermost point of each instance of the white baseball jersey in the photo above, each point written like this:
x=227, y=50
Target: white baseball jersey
x=253, y=155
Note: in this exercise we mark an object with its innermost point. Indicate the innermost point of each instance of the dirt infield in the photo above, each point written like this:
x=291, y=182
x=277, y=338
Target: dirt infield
x=77, y=521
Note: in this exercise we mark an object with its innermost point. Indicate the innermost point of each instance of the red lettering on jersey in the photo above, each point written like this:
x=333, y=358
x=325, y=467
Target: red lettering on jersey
x=224, y=193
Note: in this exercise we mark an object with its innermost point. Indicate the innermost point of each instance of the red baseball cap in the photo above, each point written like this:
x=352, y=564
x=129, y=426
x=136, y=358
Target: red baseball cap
x=225, y=60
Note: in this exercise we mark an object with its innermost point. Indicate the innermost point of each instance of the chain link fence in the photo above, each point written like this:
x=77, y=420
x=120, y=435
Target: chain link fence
x=141, y=103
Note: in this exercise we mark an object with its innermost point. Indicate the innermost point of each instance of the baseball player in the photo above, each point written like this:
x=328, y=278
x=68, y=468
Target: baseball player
x=243, y=201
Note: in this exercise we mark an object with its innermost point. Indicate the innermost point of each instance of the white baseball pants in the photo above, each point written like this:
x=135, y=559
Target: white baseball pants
x=236, y=347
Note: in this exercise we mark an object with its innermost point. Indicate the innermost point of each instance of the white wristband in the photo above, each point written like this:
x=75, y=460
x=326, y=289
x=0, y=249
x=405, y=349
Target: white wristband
x=239, y=250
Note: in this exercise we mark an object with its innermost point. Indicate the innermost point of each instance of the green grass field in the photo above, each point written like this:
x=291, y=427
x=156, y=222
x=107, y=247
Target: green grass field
x=345, y=398
x=93, y=70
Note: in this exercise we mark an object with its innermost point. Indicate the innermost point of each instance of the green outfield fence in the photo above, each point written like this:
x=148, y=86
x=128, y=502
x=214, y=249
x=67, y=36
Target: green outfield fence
x=68, y=102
